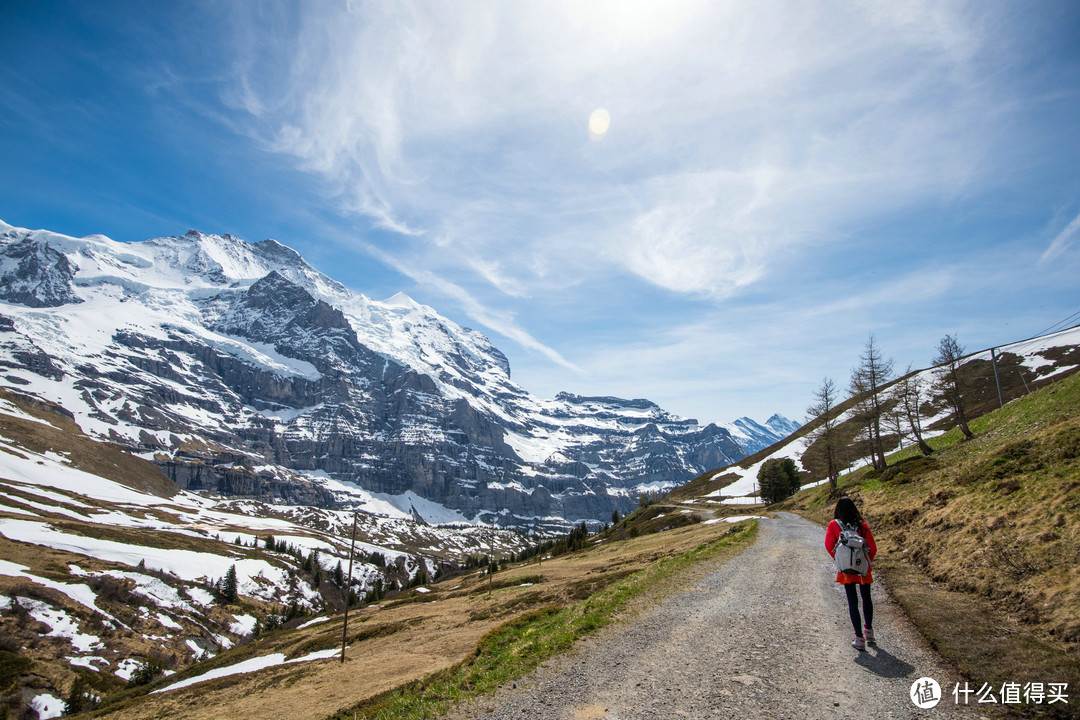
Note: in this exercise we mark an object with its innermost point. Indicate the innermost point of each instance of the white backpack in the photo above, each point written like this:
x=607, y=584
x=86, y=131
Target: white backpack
x=851, y=553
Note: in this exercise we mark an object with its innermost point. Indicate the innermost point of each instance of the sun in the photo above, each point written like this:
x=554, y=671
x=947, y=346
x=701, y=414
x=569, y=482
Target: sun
x=599, y=122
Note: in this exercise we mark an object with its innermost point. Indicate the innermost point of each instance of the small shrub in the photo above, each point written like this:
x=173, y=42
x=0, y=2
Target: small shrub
x=147, y=672
x=273, y=622
x=12, y=666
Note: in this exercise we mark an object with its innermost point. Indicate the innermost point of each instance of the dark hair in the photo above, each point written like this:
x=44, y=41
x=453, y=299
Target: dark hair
x=847, y=512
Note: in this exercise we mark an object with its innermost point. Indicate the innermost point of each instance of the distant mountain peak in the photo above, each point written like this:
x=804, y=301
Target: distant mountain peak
x=754, y=436
x=782, y=424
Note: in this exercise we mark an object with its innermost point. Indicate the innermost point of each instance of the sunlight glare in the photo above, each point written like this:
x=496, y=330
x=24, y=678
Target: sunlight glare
x=599, y=122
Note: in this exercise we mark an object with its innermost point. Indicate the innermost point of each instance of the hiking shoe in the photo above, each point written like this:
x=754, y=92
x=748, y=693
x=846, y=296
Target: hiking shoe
x=858, y=643
x=868, y=634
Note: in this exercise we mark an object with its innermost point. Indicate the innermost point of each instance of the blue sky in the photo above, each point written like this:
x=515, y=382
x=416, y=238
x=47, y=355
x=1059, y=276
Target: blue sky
x=776, y=181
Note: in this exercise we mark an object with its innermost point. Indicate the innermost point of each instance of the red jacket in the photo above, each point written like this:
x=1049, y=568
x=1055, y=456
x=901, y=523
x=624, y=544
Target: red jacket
x=832, y=534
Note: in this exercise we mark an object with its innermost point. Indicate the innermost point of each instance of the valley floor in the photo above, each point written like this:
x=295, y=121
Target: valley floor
x=765, y=635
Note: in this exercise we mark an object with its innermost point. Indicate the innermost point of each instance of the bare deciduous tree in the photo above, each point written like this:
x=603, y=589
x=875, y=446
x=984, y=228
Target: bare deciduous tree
x=950, y=351
x=909, y=402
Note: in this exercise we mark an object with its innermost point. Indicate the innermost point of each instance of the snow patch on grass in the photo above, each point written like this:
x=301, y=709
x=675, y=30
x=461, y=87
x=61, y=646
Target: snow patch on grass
x=47, y=706
x=252, y=665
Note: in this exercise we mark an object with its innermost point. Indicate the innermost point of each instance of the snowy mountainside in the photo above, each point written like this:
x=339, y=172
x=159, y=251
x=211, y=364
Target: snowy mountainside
x=104, y=563
x=241, y=370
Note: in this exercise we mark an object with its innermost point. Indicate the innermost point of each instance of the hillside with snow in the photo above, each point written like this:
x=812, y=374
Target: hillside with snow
x=105, y=565
x=1021, y=367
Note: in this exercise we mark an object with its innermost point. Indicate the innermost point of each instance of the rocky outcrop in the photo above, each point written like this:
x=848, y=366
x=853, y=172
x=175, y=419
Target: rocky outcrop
x=36, y=275
x=199, y=475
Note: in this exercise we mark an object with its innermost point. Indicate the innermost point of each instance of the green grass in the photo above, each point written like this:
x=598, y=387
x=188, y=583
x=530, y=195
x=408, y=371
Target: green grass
x=513, y=649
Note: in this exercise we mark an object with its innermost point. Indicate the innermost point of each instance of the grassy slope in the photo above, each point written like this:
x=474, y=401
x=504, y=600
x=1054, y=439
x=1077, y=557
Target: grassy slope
x=981, y=542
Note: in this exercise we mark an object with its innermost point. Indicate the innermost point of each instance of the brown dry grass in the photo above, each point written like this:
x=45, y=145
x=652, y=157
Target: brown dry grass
x=141, y=638
x=413, y=640
x=63, y=435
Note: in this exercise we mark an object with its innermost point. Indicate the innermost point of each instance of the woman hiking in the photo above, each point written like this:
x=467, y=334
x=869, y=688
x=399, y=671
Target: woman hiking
x=847, y=513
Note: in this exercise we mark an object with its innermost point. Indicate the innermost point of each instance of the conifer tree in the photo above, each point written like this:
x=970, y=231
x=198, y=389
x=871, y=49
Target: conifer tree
x=825, y=434
x=778, y=479
x=228, y=585
x=867, y=381
x=79, y=697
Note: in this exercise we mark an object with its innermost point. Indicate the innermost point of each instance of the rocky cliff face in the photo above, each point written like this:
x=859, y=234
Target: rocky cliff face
x=242, y=371
x=35, y=274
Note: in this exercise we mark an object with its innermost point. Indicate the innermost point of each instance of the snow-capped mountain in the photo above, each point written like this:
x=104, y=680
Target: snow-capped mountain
x=240, y=369
x=753, y=436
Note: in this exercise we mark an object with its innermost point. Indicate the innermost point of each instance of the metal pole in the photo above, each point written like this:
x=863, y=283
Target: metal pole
x=997, y=380
x=348, y=588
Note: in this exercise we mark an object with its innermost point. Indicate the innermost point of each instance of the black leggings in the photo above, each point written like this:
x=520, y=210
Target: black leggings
x=853, y=606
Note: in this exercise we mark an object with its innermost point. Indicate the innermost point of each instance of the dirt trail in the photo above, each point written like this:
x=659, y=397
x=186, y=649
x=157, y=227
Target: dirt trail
x=765, y=635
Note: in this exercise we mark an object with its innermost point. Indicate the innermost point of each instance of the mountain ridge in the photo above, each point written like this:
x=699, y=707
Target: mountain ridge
x=203, y=339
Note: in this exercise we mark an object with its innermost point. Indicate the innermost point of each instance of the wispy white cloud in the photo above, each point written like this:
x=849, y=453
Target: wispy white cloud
x=919, y=286
x=739, y=133
x=1063, y=241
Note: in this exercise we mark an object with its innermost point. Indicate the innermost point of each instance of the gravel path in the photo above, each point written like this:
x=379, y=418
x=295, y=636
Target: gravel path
x=765, y=635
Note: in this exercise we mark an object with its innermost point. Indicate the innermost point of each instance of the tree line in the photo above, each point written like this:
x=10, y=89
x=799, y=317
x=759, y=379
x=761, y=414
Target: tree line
x=878, y=405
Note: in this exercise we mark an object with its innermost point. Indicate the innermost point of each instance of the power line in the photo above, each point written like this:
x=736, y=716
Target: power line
x=1061, y=324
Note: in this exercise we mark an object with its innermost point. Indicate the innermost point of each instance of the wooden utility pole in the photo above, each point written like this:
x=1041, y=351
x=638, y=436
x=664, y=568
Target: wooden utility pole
x=348, y=589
